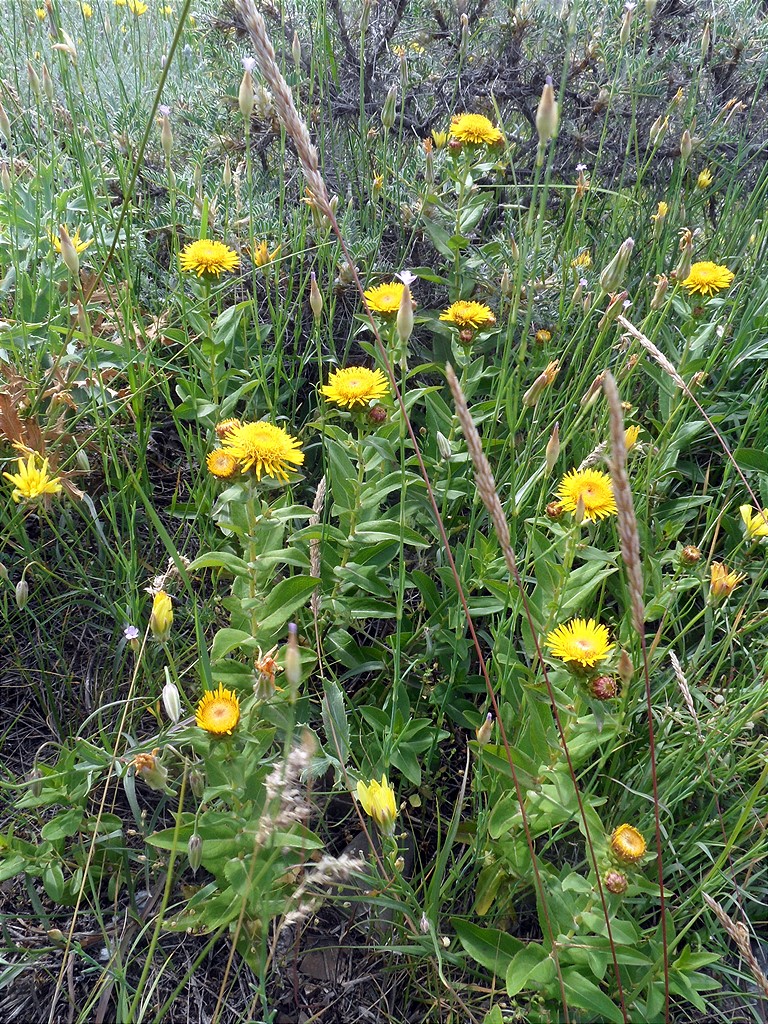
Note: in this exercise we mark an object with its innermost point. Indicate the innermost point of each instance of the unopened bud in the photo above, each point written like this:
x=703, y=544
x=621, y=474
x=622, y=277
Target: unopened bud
x=48, y=84
x=658, y=130
x=226, y=176
x=593, y=390
x=34, y=82
x=485, y=731
x=5, y=125
x=315, y=298
x=650, y=7
x=626, y=24
x=547, y=117
x=705, y=41
x=197, y=783
x=615, y=306
x=245, y=98
x=690, y=554
x=444, y=446
x=613, y=275
x=615, y=882
x=293, y=659
x=553, y=449
x=34, y=779
x=388, y=110
x=166, y=136
x=5, y=179
x=161, y=617
x=377, y=414
x=578, y=291
x=195, y=852
x=683, y=268
x=296, y=50
x=68, y=252
x=554, y=510
x=686, y=144
x=514, y=250
x=505, y=284
x=625, y=669
x=464, y=41
x=22, y=593
x=660, y=294
x=171, y=701
x=404, y=321
x=603, y=687
x=578, y=512
x=466, y=336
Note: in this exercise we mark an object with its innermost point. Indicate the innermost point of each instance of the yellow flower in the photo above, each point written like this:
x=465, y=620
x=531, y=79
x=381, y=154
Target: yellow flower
x=755, y=522
x=704, y=179
x=385, y=298
x=723, y=581
x=355, y=385
x=439, y=138
x=120, y=3
x=581, y=642
x=631, y=434
x=221, y=464
x=661, y=211
x=627, y=844
x=161, y=618
x=136, y=7
x=706, y=278
x=262, y=256
x=475, y=129
x=468, y=314
x=80, y=244
x=584, y=259
x=86, y=10
x=31, y=482
x=40, y=13
x=594, y=488
x=218, y=712
x=378, y=800
x=206, y=256
x=167, y=10
x=542, y=337
x=225, y=427
x=148, y=768
x=264, y=448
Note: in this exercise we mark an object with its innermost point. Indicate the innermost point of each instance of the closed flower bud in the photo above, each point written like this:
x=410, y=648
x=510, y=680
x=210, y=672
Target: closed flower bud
x=683, y=268
x=660, y=293
x=686, y=144
x=171, y=701
x=22, y=593
x=547, y=117
x=315, y=298
x=554, y=510
x=34, y=82
x=553, y=453
x=5, y=179
x=377, y=414
x=467, y=336
x=293, y=659
x=485, y=731
x=48, y=84
x=626, y=669
x=616, y=305
x=690, y=554
x=514, y=250
x=34, y=779
x=603, y=687
x=444, y=447
x=161, y=618
x=69, y=253
x=296, y=50
x=245, y=98
x=197, y=783
x=147, y=767
x=405, y=316
x=705, y=40
x=615, y=882
x=195, y=852
x=166, y=136
x=5, y=125
x=650, y=7
x=388, y=110
x=593, y=390
x=626, y=24
x=658, y=130
x=613, y=275
x=226, y=176
x=505, y=284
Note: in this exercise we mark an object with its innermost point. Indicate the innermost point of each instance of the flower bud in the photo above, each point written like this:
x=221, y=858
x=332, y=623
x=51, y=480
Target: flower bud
x=171, y=701
x=22, y=593
x=613, y=275
x=615, y=882
x=226, y=176
x=615, y=306
x=603, y=687
x=626, y=669
x=686, y=144
x=166, y=136
x=553, y=451
x=293, y=660
x=405, y=316
x=593, y=390
x=705, y=40
x=161, y=618
x=690, y=554
x=315, y=298
x=388, y=110
x=505, y=283
x=5, y=125
x=545, y=378
x=245, y=98
x=197, y=783
x=467, y=336
x=683, y=268
x=658, y=130
x=444, y=447
x=554, y=510
x=296, y=50
x=514, y=250
x=4, y=573
x=5, y=179
x=34, y=82
x=34, y=779
x=547, y=117
x=195, y=852
x=68, y=252
x=48, y=84
x=377, y=414
x=485, y=731
x=148, y=768
x=660, y=294
x=626, y=24
x=650, y=7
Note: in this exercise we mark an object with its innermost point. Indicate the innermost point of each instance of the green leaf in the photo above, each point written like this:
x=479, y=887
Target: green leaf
x=524, y=963
x=67, y=823
x=220, y=560
x=752, y=458
x=587, y=996
x=283, y=600
x=491, y=948
x=383, y=529
x=227, y=640
x=53, y=880
x=335, y=720
x=10, y=866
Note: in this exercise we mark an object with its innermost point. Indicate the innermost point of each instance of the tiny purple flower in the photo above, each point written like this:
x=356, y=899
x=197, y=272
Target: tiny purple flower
x=164, y=110
x=131, y=632
x=249, y=63
x=407, y=277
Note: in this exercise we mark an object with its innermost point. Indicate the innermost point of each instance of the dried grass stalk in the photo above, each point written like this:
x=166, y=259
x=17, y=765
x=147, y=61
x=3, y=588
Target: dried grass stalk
x=628, y=535
x=314, y=544
x=282, y=97
x=659, y=356
x=686, y=692
x=740, y=935
x=486, y=485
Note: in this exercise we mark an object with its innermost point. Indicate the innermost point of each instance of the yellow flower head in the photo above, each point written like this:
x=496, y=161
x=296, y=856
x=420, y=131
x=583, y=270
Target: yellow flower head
x=40, y=13
x=631, y=435
x=475, y=130
x=161, y=618
x=661, y=211
x=355, y=385
x=755, y=522
x=723, y=581
x=80, y=244
x=218, y=712
x=378, y=800
x=206, y=256
x=593, y=487
x=385, y=298
x=581, y=642
x=225, y=427
x=707, y=278
x=541, y=337
x=583, y=260
x=264, y=448
x=31, y=482
x=704, y=179
x=439, y=138
x=628, y=844
x=468, y=314
x=262, y=256
x=167, y=10
x=86, y=10
x=136, y=7
x=221, y=464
